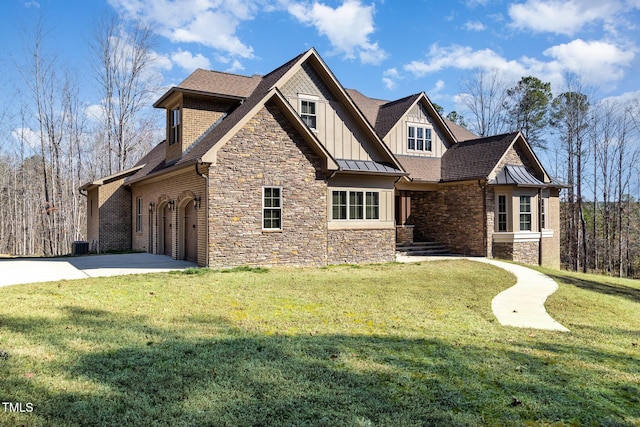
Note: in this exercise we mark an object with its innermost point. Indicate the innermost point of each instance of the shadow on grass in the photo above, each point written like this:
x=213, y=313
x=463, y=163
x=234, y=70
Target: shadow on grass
x=609, y=288
x=161, y=377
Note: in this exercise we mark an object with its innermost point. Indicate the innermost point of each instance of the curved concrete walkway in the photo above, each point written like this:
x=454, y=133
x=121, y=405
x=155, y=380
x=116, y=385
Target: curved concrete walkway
x=522, y=305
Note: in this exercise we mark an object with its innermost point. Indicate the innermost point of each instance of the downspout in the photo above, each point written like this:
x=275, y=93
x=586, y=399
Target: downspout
x=206, y=201
x=540, y=225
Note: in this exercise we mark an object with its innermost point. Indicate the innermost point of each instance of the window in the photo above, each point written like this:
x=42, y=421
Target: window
x=411, y=145
x=525, y=213
x=139, y=215
x=419, y=138
x=355, y=205
x=271, y=208
x=174, y=118
x=543, y=216
x=339, y=205
x=502, y=213
x=308, y=112
x=373, y=205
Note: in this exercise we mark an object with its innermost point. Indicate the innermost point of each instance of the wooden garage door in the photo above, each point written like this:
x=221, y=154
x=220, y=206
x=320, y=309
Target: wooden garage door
x=190, y=232
x=166, y=224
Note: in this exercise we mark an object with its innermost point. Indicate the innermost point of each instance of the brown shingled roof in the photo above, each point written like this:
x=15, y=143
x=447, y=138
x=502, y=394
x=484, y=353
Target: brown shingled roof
x=221, y=83
x=391, y=112
x=368, y=106
x=476, y=158
x=422, y=169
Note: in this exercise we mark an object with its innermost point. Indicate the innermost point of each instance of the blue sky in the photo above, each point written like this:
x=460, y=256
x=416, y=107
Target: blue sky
x=385, y=48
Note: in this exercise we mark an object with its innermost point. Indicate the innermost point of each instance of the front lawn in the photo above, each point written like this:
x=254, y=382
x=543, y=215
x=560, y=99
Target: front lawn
x=378, y=345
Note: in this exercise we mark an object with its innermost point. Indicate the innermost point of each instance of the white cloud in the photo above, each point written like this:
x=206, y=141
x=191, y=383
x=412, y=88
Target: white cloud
x=597, y=61
x=474, y=26
x=212, y=23
x=30, y=137
x=348, y=28
x=460, y=57
x=189, y=62
x=390, y=78
x=561, y=16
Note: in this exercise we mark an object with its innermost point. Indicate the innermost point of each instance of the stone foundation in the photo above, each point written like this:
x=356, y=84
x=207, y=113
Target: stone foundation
x=360, y=246
x=524, y=252
x=404, y=235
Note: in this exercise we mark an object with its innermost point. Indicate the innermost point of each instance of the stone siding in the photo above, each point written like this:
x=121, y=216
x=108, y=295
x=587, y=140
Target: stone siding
x=452, y=215
x=361, y=246
x=267, y=151
x=524, y=252
x=404, y=235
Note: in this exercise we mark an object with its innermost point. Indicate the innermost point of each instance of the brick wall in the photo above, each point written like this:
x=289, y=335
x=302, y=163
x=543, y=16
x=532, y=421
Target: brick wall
x=114, y=213
x=181, y=187
x=452, y=215
x=267, y=151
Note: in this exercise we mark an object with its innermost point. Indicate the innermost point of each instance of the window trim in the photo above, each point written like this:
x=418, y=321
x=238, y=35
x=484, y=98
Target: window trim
x=349, y=208
x=272, y=208
x=419, y=138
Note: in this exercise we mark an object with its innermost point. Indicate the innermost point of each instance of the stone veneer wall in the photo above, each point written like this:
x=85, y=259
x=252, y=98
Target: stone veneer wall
x=524, y=252
x=404, y=235
x=267, y=151
x=452, y=215
x=358, y=246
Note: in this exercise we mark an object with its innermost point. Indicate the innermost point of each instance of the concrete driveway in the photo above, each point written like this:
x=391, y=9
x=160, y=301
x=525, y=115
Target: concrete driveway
x=30, y=270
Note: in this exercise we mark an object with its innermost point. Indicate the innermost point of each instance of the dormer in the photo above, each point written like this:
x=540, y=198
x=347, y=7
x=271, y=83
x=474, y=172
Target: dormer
x=199, y=103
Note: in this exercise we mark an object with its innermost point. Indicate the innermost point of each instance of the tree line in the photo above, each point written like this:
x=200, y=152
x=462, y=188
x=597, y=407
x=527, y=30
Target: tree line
x=52, y=143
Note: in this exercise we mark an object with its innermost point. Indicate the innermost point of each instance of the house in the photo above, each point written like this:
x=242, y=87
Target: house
x=293, y=168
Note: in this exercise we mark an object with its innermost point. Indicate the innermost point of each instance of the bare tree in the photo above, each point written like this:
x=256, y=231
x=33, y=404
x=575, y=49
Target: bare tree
x=122, y=65
x=484, y=94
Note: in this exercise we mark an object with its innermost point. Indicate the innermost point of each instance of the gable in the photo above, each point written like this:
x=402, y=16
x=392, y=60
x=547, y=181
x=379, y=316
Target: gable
x=417, y=115
x=337, y=129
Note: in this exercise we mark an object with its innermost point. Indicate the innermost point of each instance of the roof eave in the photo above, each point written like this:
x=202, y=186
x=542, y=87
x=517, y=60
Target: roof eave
x=160, y=103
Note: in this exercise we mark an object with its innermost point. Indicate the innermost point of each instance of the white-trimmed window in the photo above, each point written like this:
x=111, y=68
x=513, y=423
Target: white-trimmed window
x=355, y=205
x=502, y=213
x=543, y=213
x=272, y=208
x=139, y=215
x=525, y=213
x=174, y=125
x=419, y=138
x=309, y=110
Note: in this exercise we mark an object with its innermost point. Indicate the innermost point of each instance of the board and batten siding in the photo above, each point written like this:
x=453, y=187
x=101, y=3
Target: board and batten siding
x=396, y=139
x=335, y=128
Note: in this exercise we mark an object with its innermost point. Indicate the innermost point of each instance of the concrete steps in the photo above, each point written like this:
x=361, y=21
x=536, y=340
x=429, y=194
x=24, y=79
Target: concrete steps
x=422, y=249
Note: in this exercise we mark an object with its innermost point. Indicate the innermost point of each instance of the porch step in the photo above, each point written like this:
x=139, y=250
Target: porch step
x=422, y=249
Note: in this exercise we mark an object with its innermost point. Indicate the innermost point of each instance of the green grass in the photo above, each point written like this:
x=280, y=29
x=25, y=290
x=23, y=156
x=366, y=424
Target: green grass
x=378, y=345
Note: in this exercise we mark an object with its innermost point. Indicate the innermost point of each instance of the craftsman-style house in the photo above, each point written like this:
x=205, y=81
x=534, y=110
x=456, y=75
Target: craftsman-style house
x=293, y=168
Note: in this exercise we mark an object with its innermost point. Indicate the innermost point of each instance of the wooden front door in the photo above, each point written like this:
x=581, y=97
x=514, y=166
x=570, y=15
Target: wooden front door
x=190, y=232
x=166, y=226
